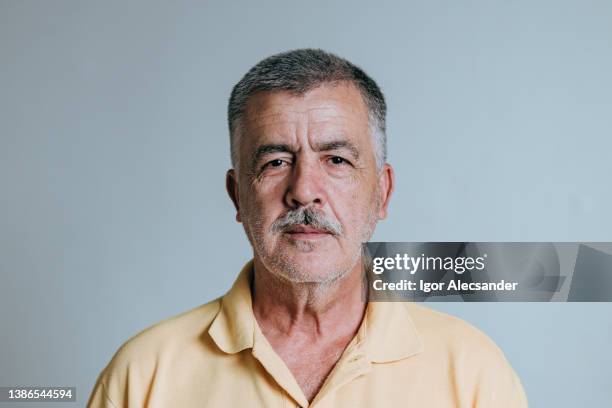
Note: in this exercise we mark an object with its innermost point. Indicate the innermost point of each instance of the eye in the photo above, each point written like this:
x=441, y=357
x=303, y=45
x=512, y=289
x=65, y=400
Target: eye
x=275, y=164
x=337, y=160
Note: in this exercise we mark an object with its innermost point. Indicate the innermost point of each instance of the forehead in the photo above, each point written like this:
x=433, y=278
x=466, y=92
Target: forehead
x=328, y=106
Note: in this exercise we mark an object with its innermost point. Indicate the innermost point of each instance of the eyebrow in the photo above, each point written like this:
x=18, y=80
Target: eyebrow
x=337, y=145
x=320, y=147
x=267, y=149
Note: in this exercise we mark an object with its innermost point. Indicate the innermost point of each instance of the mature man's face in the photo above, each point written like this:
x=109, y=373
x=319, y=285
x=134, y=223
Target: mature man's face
x=307, y=190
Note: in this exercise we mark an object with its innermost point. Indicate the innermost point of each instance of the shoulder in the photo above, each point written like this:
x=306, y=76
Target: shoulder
x=169, y=334
x=441, y=330
x=134, y=365
x=143, y=352
x=477, y=365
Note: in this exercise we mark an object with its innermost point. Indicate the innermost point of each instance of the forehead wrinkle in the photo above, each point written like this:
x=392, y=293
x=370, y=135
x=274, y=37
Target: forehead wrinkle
x=267, y=124
x=290, y=120
x=264, y=119
x=324, y=110
x=324, y=115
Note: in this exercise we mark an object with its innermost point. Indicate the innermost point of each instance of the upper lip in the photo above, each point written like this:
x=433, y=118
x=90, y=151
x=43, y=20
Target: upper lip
x=305, y=229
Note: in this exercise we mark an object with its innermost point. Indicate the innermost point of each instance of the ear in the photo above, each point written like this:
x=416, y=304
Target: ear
x=231, y=184
x=386, y=183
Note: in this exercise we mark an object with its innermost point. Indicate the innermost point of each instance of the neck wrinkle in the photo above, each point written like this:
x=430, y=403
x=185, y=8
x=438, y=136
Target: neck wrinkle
x=312, y=308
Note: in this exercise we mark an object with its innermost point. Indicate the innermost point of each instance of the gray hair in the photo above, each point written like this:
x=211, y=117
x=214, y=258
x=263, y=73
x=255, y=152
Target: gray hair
x=300, y=71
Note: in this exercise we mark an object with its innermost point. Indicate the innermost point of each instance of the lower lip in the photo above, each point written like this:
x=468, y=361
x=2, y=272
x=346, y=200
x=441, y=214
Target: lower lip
x=307, y=236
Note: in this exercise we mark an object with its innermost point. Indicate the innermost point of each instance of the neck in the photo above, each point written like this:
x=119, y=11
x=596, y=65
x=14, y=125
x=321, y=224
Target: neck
x=312, y=309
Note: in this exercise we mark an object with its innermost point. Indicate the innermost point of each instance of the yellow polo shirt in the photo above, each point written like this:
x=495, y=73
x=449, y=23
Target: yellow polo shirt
x=216, y=356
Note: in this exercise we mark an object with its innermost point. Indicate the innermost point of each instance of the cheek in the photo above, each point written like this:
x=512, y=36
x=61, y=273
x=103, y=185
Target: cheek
x=352, y=208
x=262, y=201
x=363, y=204
x=268, y=187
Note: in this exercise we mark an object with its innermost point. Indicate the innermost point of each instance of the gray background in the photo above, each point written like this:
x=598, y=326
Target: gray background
x=113, y=213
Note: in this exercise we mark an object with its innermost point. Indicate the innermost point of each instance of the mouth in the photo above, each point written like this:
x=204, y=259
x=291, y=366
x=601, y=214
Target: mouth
x=306, y=232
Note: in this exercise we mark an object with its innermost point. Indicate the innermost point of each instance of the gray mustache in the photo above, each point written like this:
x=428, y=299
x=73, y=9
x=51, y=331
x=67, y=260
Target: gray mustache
x=306, y=216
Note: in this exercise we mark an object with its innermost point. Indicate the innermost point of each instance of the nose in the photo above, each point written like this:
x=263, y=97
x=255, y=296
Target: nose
x=305, y=185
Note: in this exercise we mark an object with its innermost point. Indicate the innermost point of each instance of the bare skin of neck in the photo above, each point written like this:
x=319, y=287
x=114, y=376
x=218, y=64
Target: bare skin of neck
x=308, y=324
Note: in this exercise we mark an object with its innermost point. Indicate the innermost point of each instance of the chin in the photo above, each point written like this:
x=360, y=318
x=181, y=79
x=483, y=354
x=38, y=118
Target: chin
x=320, y=278
x=307, y=267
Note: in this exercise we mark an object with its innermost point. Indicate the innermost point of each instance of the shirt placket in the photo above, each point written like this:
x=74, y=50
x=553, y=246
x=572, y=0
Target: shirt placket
x=353, y=364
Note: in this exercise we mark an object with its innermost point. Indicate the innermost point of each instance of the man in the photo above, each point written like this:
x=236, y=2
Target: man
x=309, y=182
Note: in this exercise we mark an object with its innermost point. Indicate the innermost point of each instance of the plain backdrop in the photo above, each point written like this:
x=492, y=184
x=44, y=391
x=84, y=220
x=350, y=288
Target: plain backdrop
x=114, y=147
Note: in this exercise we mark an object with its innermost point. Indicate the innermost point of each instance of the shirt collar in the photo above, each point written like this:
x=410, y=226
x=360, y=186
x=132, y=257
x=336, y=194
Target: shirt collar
x=390, y=332
x=387, y=331
x=233, y=329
